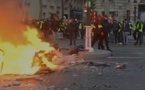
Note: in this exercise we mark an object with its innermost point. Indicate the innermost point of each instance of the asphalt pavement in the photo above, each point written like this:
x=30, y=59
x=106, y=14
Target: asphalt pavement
x=123, y=70
x=64, y=43
x=107, y=78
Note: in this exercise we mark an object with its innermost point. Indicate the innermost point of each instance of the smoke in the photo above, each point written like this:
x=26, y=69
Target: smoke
x=11, y=26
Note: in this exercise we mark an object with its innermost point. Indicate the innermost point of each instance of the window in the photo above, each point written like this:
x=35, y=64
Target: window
x=27, y=2
x=51, y=7
x=111, y=0
x=103, y=13
x=142, y=1
x=44, y=6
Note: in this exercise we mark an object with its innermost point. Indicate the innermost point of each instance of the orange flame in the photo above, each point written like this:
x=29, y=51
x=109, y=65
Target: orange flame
x=18, y=59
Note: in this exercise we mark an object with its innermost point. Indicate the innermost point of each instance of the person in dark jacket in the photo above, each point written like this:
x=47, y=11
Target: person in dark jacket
x=106, y=30
x=115, y=28
x=126, y=30
x=96, y=31
x=72, y=30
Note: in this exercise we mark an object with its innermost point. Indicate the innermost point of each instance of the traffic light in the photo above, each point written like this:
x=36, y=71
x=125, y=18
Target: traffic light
x=88, y=4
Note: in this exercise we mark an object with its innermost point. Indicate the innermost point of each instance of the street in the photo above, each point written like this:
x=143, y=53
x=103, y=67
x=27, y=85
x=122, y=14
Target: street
x=108, y=78
x=89, y=77
x=72, y=45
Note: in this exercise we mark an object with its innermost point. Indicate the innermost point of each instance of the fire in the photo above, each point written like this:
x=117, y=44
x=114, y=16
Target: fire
x=17, y=59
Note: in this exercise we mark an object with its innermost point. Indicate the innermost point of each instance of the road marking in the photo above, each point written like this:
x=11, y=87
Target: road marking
x=128, y=57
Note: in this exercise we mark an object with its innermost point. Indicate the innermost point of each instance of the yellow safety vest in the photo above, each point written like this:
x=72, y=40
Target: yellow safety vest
x=120, y=28
x=141, y=29
x=80, y=26
x=130, y=25
x=100, y=26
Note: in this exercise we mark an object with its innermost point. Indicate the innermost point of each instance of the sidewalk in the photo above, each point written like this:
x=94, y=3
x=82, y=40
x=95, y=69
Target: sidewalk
x=85, y=55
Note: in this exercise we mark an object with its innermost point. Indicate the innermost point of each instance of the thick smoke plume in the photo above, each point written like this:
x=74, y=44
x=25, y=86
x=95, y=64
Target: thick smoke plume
x=11, y=26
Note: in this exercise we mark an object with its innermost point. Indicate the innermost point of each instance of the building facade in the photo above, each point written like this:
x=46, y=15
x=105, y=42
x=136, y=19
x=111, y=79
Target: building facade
x=43, y=9
x=141, y=9
x=119, y=9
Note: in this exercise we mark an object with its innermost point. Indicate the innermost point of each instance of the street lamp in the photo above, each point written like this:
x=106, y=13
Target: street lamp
x=135, y=5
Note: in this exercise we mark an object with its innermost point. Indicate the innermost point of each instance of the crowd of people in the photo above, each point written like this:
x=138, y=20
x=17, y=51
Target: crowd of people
x=65, y=29
x=104, y=31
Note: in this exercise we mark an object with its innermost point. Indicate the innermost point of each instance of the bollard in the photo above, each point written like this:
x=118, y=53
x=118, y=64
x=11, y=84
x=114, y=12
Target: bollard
x=88, y=39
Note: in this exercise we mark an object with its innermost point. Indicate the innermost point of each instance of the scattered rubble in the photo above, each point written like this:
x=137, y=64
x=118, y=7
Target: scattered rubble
x=16, y=83
x=65, y=70
x=100, y=74
x=39, y=79
x=121, y=66
x=98, y=64
x=8, y=85
x=66, y=88
x=51, y=87
x=75, y=75
x=107, y=86
x=45, y=72
x=20, y=78
x=74, y=50
x=66, y=62
x=95, y=87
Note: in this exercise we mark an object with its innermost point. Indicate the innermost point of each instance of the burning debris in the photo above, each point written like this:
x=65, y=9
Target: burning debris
x=42, y=57
x=1, y=59
x=29, y=58
x=99, y=64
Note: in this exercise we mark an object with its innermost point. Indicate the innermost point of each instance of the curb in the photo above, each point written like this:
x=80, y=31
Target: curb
x=94, y=55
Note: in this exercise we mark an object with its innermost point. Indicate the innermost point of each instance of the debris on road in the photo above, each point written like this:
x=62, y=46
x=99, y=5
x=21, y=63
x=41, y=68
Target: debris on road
x=39, y=79
x=16, y=83
x=107, y=86
x=100, y=74
x=121, y=66
x=75, y=75
x=98, y=64
x=20, y=78
x=8, y=85
x=74, y=50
